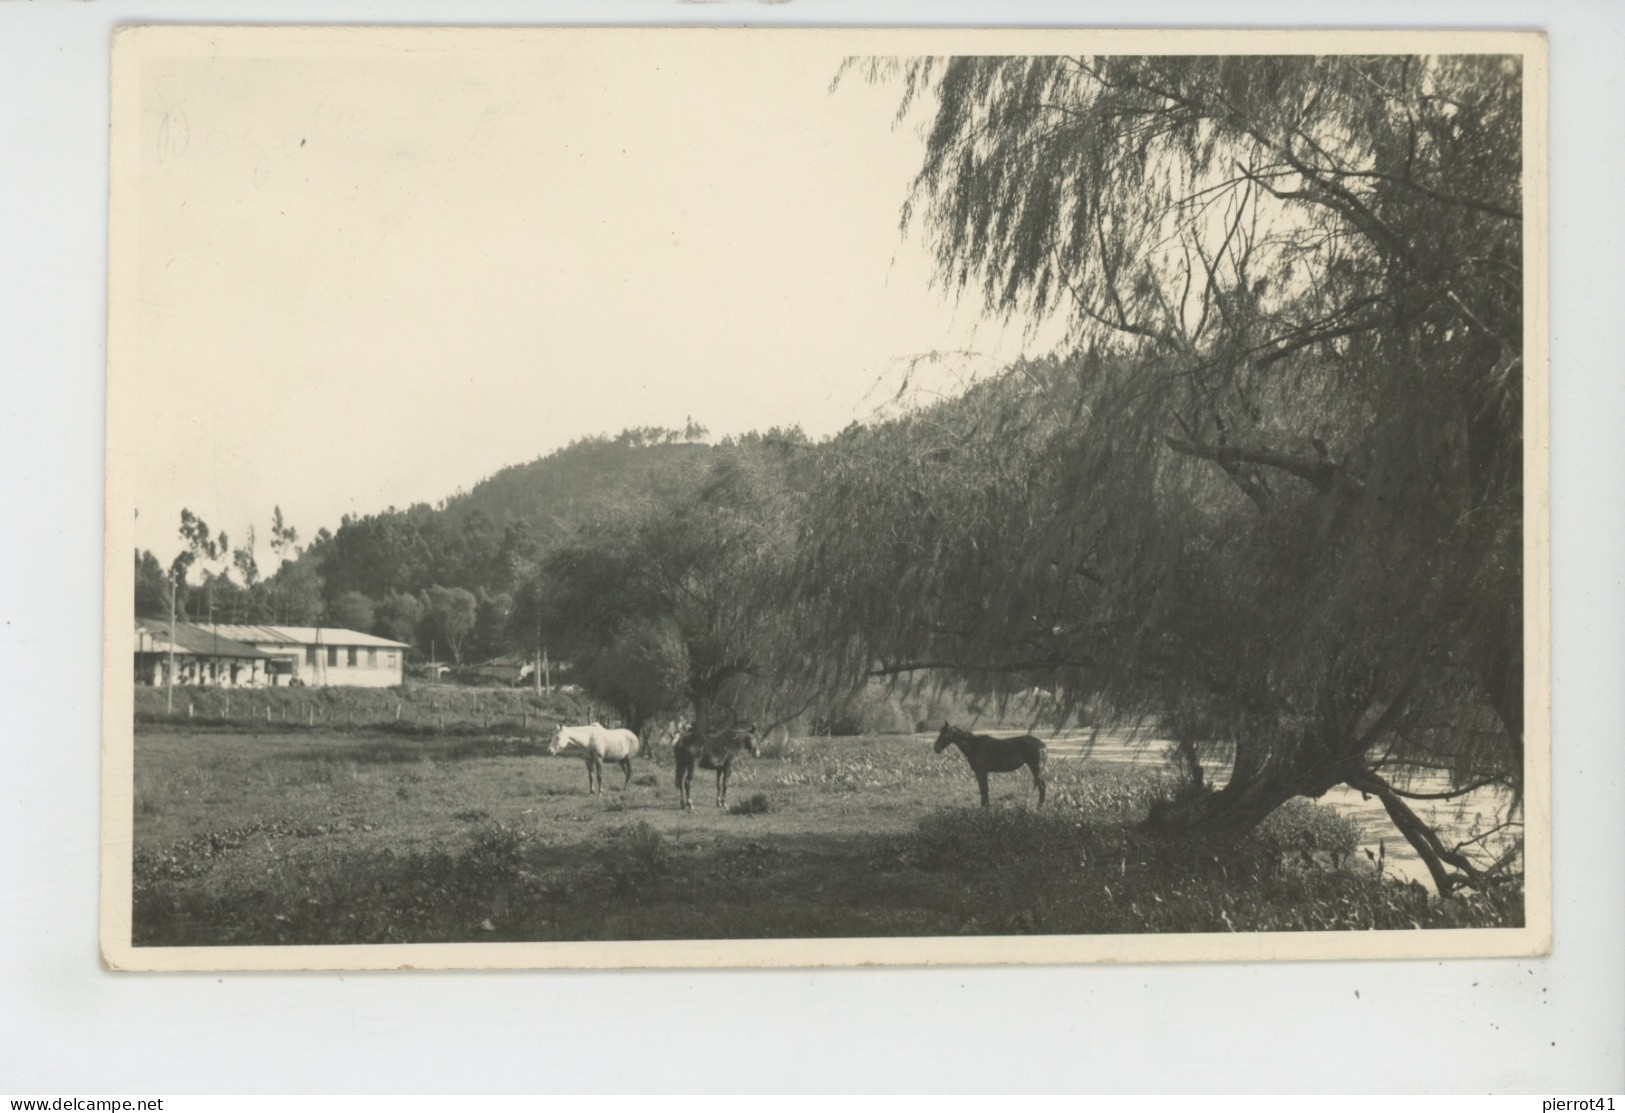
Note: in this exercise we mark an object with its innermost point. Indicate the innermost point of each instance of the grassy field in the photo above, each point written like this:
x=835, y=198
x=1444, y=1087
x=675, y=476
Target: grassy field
x=295, y=835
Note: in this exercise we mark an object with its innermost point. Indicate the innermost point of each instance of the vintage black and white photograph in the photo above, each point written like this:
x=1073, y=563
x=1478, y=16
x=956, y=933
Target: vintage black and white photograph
x=720, y=498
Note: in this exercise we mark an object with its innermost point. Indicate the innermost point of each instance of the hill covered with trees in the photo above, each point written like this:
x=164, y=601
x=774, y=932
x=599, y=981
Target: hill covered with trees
x=446, y=575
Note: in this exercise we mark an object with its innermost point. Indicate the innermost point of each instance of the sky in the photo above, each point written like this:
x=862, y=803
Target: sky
x=366, y=272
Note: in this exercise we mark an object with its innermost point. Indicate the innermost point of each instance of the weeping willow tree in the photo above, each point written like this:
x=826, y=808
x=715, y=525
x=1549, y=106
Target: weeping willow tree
x=1275, y=499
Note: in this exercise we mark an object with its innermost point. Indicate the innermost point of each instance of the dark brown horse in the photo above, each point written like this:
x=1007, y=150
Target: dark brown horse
x=987, y=754
x=709, y=750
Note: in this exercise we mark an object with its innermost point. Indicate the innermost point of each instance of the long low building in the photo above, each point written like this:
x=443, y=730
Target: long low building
x=267, y=656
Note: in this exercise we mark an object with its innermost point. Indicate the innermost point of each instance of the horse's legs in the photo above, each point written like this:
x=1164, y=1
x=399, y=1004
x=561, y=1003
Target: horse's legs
x=981, y=782
x=685, y=776
x=722, y=785
x=595, y=777
x=626, y=767
x=1038, y=779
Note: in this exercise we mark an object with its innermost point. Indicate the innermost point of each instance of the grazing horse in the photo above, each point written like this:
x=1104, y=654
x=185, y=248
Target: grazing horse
x=709, y=750
x=987, y=754
x=597, y=745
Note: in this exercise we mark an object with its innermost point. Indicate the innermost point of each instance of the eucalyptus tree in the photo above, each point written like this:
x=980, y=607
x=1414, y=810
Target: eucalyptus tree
x=1276, y=498
x=674, y=598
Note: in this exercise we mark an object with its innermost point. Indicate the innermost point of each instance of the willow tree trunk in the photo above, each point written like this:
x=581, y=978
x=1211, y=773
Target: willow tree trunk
x=1263, y=776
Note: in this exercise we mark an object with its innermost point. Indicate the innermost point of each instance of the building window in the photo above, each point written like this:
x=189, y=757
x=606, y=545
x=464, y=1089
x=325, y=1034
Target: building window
x=332, y=656
x=310, y=656
x=351, y=656
x=389, y=657
x=372, y=658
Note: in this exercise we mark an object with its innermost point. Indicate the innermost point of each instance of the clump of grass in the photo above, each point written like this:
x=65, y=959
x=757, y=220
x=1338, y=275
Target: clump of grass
x=755, y=804
x=496, y=849
x=316, y=846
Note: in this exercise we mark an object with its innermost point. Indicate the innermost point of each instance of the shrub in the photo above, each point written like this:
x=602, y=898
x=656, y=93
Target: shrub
x=637, y=855
x=1303, y=825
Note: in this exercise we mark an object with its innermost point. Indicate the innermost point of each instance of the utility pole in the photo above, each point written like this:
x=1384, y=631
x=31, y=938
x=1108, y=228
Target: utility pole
x=214, y=665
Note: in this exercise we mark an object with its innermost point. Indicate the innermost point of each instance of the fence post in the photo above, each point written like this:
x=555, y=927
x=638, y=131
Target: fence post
x=310, y=709
x=189, y=706
x=267, y=712
x=397, y=712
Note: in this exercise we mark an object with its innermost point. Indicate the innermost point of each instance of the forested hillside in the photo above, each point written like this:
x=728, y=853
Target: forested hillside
x=553, y=491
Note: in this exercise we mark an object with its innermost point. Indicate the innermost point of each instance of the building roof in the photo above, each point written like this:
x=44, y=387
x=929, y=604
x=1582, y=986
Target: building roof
x=303, y=635
x=152, y=636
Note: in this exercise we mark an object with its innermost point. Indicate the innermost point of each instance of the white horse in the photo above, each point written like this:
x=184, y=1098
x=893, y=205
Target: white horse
x=597, y=745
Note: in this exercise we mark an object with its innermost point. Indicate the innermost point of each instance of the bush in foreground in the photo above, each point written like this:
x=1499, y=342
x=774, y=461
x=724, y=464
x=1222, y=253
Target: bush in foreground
x=1052, y=872
x=754, y=804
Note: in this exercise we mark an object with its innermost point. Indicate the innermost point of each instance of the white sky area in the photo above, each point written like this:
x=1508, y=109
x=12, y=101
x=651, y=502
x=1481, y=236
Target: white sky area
x=375, y=278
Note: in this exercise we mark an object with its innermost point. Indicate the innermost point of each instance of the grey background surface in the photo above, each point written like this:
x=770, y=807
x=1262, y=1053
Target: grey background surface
x=1550, y=1025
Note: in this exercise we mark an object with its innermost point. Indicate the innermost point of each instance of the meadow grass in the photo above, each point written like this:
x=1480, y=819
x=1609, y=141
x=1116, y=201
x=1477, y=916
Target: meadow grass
x=351, y=837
